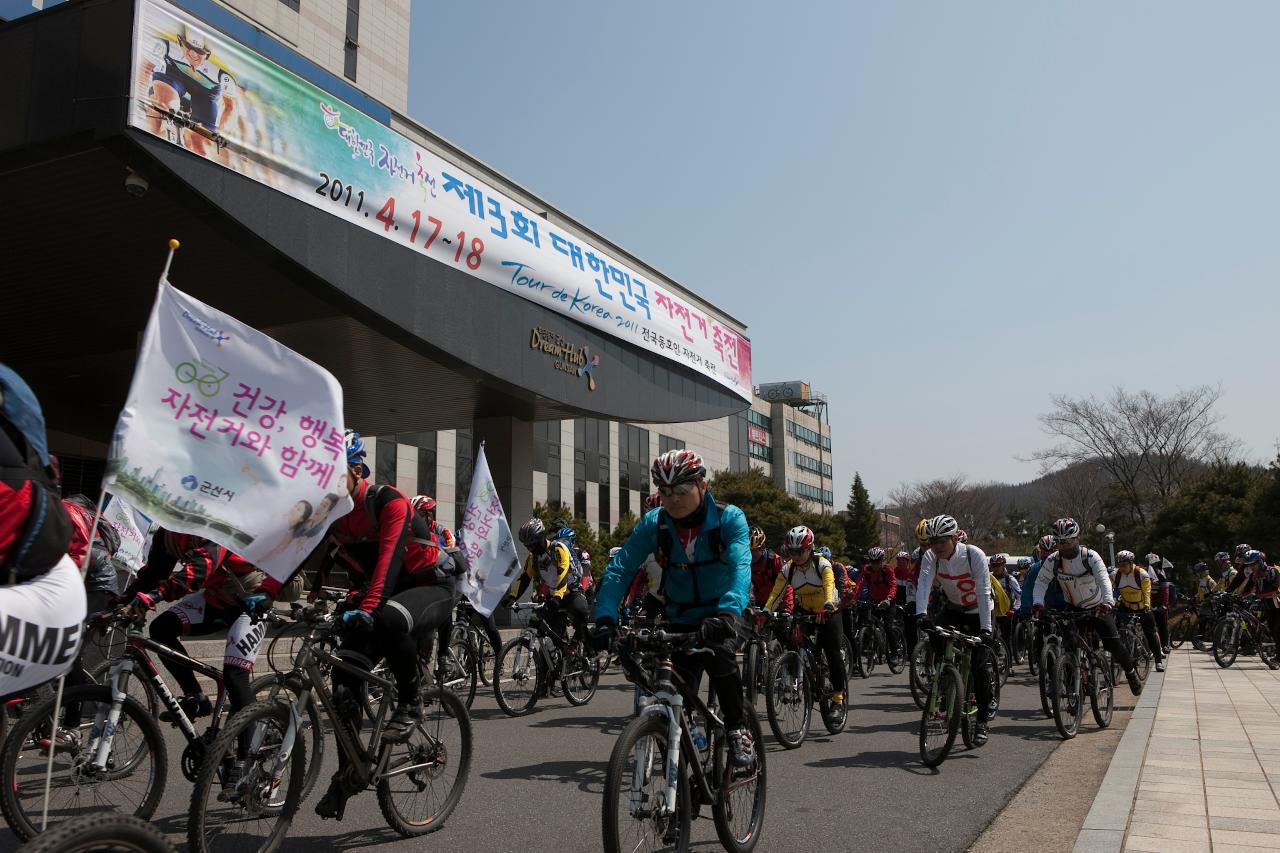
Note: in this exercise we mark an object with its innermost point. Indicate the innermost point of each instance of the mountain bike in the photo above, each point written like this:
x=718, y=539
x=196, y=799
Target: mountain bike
x=1182, y=624
x=1050, y=639
x=1082, y=668
x=1129, y=625
x=800, y=677
x=109, y=751
x=922, y=670
x=1023, y=635
x=530, y=666
x=419, y=778
x=481, y=651
x=878, y=638
x=675, y=756
x=1241, y=631
x=952, y=705
x=757, y=656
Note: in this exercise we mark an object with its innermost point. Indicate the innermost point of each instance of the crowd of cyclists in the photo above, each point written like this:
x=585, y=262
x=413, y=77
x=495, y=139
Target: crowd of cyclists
x=692, y=568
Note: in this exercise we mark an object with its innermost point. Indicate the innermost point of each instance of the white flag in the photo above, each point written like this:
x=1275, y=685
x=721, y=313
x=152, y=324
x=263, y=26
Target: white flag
x=485, y=538
x=132, y=529
x=230, y=435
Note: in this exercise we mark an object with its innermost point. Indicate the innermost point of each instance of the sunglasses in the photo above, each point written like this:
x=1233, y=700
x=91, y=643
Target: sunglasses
x=938, y=540
x=679, y=490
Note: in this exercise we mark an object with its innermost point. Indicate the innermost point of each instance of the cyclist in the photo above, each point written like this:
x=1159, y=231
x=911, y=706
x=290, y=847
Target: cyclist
x=402, y=590
x=705, y=552
x=1132, y=587
x=1162, y=598
x=1000, y=573
x=1266, y=583
x=425, y=506
x=961, y=572
x=1241, y=551
x=1222, y=560
x=1053, y=598
x=550, y=564
x=766, y=565
x=1241, y=582
x=905, y=572
x=41, y=591
x=812, y=580
x=1083, y=578
x=1206, y=586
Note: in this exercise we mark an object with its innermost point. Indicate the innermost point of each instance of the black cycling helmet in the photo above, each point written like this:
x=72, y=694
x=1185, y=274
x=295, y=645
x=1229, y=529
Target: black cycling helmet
x=533, y=533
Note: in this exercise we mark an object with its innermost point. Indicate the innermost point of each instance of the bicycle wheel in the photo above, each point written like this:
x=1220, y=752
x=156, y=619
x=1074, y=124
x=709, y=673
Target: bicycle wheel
x=581, y=676
x=1000, y=665
x=101, y=834
x=1140, y=655
x=895, y=655
x=940, y=719
x=1067, y=694
x=1180, y=633
x=1226, y=642
x=834, y=718
x=1202, y=635
x=247, y=803
x=460, y=671
x=1048, y=658
x=865, y=649
x=788, y=700
x=130, y=783
x=1102, y=695
x=738, y=811
x=751, y=672
x=922, y=672
x=427, y=773
x=486, y=655
x=279, y=688
x=996, y=681
x=516, y=678
x=634, y=816
x=139, y=688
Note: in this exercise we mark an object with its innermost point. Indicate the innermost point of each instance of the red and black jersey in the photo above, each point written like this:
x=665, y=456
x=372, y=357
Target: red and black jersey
x=178, y=564
x=764, y=571
x=878, y=580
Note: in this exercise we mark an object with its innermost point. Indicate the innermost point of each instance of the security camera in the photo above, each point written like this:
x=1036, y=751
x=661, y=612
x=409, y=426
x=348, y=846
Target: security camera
x=135, y=185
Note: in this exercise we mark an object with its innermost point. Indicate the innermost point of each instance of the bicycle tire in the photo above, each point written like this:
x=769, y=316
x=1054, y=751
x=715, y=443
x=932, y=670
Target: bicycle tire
x=751, y=672
x=865, y=647
x=895, y=656
x=580, y=679
x=486, y=655
x=723, y=813
x=1048, y=660
x=139, y=688
x=210, y=783
x=921, y=672
x=997, y=684
x=101, y=834
x=1226, y=642
x=461, y=672
x=507, y=700
x=438, y=706
x=940, y=718
x=1182, y=632
x=1140, y=655
x=621, y=772
x=1102, y=695
x=269, y=687
x=20, y=780
x=1067, y=696
x=780, y=694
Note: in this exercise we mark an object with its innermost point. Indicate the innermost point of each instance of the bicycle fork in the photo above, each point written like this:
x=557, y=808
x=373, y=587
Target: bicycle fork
x=668, y=705
x=108, y=720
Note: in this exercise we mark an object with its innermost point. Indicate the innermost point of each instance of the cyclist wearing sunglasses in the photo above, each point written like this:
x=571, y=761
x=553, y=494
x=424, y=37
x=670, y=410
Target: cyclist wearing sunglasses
x=1085, y=584
x=705, y=554
x=961, y=571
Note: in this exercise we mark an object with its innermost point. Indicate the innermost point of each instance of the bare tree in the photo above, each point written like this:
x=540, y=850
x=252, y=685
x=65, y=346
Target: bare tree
x=1079, y=491
x=1148, y=446
x=978, y=507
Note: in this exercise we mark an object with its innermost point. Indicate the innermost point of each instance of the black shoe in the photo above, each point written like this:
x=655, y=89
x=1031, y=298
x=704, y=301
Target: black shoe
x=1135, y=683
x=980, y=735
x=406, y=716
x=192, y=706
x=334, y=802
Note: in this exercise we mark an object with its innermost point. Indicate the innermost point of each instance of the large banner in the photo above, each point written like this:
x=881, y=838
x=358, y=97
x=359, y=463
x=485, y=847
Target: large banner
x=230, y=435
x=133, y=528
x=207, y=93
x=485, y=539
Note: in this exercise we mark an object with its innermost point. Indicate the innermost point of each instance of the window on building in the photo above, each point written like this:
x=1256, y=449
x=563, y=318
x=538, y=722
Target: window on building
x=546, y=447
x=295, y=5
x=426, y=444
x=762, y=421
x=759, y=451
x=579, y=498
x=604, y=505
x=666, y=442
x=385, y=463
x=464, y=458
x=351, y=43
x=739, y=455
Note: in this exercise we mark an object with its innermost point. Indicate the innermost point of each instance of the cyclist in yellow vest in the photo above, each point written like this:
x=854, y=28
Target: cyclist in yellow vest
x=1132, y=587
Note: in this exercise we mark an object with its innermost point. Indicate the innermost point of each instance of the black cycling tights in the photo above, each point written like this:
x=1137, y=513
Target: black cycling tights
x=722, y=667
x=399, y=626
x=167, y=629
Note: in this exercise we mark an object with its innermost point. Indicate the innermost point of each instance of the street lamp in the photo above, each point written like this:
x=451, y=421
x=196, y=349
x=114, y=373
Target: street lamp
x=1111, y=541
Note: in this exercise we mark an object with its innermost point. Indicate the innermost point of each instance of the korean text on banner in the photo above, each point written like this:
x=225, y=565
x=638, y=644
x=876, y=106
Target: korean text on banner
x=132, y=529
x=230, y=435
x=203, y=91
x=485, y=538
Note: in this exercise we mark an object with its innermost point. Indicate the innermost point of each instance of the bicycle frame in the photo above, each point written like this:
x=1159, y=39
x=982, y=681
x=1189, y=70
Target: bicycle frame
x=960, y=658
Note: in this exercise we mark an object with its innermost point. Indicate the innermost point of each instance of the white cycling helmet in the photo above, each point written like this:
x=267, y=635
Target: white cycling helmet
x=941, y=526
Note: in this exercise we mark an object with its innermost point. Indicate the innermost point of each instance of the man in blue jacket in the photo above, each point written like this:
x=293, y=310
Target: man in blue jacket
x=705, y=553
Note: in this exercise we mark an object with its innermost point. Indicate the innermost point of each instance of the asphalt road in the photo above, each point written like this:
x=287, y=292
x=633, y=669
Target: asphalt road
x=536, y=782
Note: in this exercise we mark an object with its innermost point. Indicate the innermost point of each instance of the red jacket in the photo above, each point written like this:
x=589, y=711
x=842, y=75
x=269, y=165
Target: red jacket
x=879, y=580
x=764, y=574
x=910, y=572
x=178, y=564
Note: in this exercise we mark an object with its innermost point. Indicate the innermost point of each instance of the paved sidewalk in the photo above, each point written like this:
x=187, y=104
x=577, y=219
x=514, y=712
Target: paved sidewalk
x=1209, y=775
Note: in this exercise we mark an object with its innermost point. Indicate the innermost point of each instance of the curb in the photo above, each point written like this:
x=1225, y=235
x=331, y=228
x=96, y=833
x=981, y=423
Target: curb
x=1108, y=818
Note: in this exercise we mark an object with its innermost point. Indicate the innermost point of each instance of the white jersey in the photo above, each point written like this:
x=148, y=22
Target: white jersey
x=964, y=579
x=40, y=626
x=1083, y=579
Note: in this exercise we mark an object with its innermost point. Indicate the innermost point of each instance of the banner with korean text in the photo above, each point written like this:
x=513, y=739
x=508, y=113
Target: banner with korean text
x=205, y=92
x=485, y=539
x=230, y=435
x=133, y=529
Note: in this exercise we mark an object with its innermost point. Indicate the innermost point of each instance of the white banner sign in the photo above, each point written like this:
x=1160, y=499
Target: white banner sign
x=209, y=94
x=230, y=435
x=485, y=538
x=132, y=528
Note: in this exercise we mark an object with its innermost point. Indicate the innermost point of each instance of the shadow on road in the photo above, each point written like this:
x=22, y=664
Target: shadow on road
x=605, y=724
x=587, y=775
x=908, y=762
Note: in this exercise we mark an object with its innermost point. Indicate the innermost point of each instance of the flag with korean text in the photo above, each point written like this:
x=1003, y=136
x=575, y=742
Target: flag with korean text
x=230, y=435
x=486, y=543
x=133, y=529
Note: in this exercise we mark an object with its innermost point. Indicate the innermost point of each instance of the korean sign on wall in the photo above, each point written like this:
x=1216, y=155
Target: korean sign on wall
x=207, y=93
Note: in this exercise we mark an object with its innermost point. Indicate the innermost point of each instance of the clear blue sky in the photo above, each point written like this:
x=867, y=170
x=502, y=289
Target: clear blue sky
x=936, y=213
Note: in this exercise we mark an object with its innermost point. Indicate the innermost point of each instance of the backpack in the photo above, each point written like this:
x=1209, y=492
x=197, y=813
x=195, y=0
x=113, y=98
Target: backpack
x=1001, y=595
x=449, y=562
x=666, y=541
x=47, y=528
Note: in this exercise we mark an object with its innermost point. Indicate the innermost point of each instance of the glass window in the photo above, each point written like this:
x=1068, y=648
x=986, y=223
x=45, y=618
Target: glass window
x=385, y=463
x=604, y=504
x=426, y=471
x=464, y=458
x=580, y=498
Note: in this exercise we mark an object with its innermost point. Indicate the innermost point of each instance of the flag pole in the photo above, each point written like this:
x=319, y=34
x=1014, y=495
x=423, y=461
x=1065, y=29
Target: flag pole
x=173, y=247
x=62, y=679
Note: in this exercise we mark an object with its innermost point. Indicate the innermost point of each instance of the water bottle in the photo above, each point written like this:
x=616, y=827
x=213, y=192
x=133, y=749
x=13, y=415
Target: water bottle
x=699, y=735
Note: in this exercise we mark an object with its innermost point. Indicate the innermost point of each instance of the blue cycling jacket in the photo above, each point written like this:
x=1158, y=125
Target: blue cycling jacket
x=1053, y=599
x=695, y=586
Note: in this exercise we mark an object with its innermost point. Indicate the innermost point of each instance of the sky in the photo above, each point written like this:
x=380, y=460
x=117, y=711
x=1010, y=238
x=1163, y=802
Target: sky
x=938, y=214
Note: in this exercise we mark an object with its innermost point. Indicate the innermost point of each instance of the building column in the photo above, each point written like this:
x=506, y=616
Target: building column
x=508, y=447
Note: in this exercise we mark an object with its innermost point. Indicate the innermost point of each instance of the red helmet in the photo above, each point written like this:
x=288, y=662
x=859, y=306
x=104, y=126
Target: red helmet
x=678, y=466
x=799, y=539
x=652, y=501
x=424, y=504
x=998, y=560
x=961, y=536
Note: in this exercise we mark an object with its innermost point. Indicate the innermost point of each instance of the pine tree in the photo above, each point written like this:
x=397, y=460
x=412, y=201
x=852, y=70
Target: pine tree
x=862, y=526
